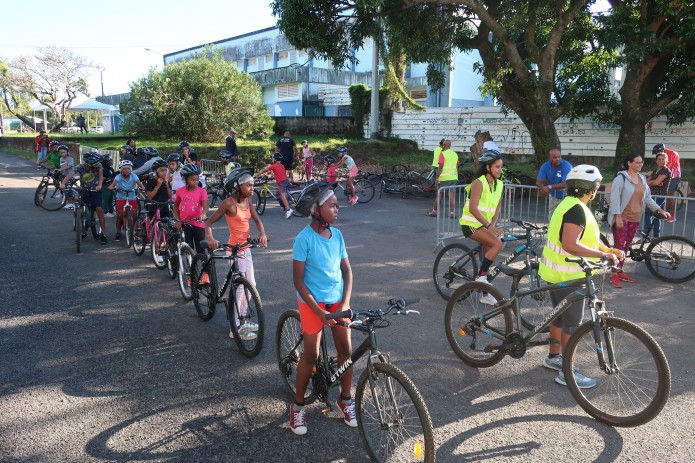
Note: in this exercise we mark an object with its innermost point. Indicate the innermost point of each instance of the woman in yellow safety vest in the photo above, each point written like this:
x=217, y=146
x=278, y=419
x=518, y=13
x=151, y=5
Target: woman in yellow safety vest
x=572, y=232
x=481, y=211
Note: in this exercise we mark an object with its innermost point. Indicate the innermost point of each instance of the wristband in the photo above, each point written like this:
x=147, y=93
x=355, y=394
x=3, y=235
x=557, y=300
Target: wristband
x=487, y=226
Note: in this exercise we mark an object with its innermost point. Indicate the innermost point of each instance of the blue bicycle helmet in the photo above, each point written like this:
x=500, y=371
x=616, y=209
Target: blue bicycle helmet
x=277, y=156
x=658, y=148
x=174, y=157
x=93, y=157
x=127, y=149
x=54, y=142
x=157, y=164
x=489, y=156
x=151, y=151
x=189, y=169
x=184, y=144
x=64, y=147
x=329, y=159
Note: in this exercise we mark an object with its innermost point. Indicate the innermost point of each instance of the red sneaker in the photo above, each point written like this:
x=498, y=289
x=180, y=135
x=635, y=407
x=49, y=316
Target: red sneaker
x=348, y=409
x=625, y=277
x=615, y=281
x=297, y=419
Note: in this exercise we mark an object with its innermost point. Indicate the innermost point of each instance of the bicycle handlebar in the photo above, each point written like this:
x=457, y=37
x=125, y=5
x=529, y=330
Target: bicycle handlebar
x=398, y=304
x=250, y=243
x=529, y=225
x=588, y=265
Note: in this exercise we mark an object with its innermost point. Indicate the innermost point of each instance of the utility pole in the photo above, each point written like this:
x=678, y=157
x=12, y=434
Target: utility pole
x=374, y=114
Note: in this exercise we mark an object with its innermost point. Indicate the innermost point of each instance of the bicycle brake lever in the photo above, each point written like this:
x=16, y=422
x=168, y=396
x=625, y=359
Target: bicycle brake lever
x=411, y=311
x=355, y=323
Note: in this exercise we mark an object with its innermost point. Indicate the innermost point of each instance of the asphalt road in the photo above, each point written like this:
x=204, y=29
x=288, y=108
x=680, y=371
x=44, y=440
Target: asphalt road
x=101, y=359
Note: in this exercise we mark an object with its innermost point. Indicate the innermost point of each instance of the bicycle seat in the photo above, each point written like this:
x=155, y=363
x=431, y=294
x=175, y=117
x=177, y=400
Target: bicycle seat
x=511, y=271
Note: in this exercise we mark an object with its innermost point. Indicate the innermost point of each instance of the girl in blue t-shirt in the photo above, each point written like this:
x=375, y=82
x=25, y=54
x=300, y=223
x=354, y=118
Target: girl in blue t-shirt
x=124, y=183
x=323, y=279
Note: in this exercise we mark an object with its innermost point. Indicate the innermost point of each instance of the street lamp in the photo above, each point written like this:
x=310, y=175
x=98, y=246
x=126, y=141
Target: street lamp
x=156, y=53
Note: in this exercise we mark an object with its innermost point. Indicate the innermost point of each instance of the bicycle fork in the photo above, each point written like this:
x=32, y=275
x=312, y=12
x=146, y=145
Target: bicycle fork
x=599, y=329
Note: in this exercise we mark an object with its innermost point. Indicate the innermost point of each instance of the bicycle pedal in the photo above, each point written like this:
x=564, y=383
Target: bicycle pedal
x=490, y=348
x=327, y=409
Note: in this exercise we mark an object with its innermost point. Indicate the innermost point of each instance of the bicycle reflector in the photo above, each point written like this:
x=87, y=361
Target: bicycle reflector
x=417, y=451
x=462, y=332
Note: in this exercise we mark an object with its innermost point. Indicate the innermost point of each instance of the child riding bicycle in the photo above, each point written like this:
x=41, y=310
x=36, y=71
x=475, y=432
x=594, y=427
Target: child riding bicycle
x=345, y=159
x=91, y=180
x=124, y=183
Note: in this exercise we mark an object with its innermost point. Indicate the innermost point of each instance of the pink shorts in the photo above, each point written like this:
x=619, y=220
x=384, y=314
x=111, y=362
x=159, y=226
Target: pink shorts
x=353, y=172
x=311, y=323
x=133, y=203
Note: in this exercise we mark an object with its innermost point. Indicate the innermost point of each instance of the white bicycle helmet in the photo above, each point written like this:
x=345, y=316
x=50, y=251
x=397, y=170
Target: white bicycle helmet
x=125, y=163
x=584, y=177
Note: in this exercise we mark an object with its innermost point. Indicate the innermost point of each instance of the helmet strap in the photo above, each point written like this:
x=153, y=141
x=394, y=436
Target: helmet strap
x=323, y=225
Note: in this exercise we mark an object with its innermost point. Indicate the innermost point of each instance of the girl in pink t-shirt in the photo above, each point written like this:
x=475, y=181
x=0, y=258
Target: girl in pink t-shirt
x=191, y=203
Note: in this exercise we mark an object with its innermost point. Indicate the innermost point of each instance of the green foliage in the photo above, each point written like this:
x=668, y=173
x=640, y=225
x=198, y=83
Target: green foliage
x=199, y=99
x=360, y=99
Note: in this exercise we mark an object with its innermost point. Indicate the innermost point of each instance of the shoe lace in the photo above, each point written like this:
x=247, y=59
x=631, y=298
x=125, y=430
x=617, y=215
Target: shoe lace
x=349, y=410
x=298, y=417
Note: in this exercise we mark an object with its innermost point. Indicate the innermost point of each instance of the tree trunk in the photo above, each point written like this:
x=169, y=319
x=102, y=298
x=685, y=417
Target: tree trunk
x=632, y=118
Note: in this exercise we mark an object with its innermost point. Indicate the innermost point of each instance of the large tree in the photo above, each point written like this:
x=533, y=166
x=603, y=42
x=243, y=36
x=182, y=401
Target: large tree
x=198, y=99
x=53, y=76
x=656, y=39
x=13, y=100
x=538, y=58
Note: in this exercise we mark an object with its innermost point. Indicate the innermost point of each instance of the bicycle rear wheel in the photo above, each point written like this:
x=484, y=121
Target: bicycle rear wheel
x=392, y=417
x=289, y=347
x=638, y=383
x=186, y=256
x=202, y=289
x=533, y=307
x=245, y=307
x=455, y=265
x=171, y=256
x=671, y=258
x=364, y=189
x=128, y=224
x=140, y=236
x=49, y=196
x=93, y=223
x=79, y=224
x=258, y=202
x=470, y=332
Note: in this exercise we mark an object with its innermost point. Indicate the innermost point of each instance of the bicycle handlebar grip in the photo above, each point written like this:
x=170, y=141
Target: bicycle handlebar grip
x=574, y=260
x=405, y=302
x=343, y=314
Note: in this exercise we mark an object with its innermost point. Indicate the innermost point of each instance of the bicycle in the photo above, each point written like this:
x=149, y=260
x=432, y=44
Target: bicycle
x=260, y=196
x=664, y=256
x=179, y=256
x=150, y=231
x=392, y=416
x=633, y=379
x=129, y=217
x=243, y=303
x=84, y=217
x=364, y=189
x=48, y=194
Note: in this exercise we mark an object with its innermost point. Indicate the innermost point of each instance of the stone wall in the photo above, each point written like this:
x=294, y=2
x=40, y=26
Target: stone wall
x=314, y=125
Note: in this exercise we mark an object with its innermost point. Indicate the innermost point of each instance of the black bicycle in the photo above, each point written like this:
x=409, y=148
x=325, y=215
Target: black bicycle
x=632, y=375
x=84, y=216
x=392, y=417
x=243, y=303
x=48, y=194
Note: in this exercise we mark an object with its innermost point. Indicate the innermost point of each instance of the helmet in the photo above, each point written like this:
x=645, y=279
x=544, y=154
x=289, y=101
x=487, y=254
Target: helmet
x=658, y=148
x=125, y=163
x=584, y=177
x=54, y=142
x=489, y=156
x=277, y=156
x=151, y=151
x=342, y=150
x=176, y=157
x=106, y=157
x=317, y=193
x=127, y=148
x=139, y=151
x=231, y=183
x=184, y=144
x=329, y=159
x=226, y=155
x=92, y=157
x=63, y=147
x=189, y=169
x=157, y=164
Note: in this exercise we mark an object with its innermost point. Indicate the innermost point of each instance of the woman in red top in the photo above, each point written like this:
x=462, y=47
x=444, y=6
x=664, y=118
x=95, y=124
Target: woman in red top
x=280, y=174
x=41, y=143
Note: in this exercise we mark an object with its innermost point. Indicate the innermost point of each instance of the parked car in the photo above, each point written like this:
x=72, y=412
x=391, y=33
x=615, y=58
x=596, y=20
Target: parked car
x=97, y=129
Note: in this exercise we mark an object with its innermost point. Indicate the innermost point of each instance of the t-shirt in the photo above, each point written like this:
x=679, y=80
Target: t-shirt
x=349, y=162
x=109, y=173
x=126, y=184
x=175, y=179
x=555, y=176
x=286, y=146
x=633, y=210
x=674, y=163
x=321, y=257
x=191, y=204
x=574, y=215
x=331, y=174
x=89, y=177
x=139, y=161
x=490, y=145
x=279, y=172
x=161, y=196
x=67, y=161
x=663, y=188
x=53, y=160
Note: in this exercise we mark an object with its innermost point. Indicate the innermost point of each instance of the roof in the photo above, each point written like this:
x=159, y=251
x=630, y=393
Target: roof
x=217, y=42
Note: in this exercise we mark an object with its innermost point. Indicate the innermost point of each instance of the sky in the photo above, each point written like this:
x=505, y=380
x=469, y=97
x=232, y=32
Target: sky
x=114, y=34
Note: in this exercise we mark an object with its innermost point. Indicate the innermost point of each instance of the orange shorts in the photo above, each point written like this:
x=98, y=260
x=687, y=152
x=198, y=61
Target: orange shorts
x=311, y=323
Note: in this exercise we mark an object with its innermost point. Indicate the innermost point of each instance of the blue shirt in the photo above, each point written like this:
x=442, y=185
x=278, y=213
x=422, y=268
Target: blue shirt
x=321, y=257
x=554, y=176
x=123, y=184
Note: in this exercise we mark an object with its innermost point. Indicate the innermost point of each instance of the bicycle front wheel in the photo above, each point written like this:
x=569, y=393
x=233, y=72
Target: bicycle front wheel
x=472, y=329
x=637, y=381
x=158, y=247
x=93, y=223
x=392, y=417
x=202, y=288
x=671, y=258
x=140, y=236
x=289, y=346
x=245, y=313
x=186, y=256
x=171, y=257
x=128, y=223
x=454, y=266
x=364, y=189
x=79, y=224
x=49, y=197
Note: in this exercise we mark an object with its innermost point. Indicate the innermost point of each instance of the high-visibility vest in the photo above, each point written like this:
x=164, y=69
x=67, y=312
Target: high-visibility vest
x=435, y=159
x=553, y=268
x=449, y=171
x=487, y=205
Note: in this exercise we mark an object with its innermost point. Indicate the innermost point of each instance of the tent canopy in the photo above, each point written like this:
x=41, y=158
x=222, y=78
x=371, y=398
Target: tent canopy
x=94, y=105
x=36, y=106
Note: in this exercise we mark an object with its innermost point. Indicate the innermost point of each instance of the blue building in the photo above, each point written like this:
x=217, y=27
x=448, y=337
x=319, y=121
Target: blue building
x=294, y=84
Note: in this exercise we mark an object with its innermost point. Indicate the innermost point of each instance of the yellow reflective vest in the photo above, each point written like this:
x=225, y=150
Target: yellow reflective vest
x=435, y=159
x=449, y=171
x=553, y=268
x=487, y=205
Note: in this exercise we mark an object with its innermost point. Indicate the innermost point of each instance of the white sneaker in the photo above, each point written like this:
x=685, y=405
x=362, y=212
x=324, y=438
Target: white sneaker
x=251, y=326
x=482, y=279
x=70, y=207
x=245, y=334
x=288, y=213
x=108, y=214
x=489, y=299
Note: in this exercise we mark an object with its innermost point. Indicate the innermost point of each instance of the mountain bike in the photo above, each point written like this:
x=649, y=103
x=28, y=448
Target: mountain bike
x=243, y=303
x=364, y=189
x=268, y=190
x=129, y=215
x=179, y=256
x=633, y=378
x=48, y=194
x=392, y=417
x=670, y=258
x=84, y=217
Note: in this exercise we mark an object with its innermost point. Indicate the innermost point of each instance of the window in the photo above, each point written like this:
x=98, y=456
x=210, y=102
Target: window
x=269, y=59
x=283, y=55
x=302, y=52
x=418, y=94
x=287, y=91
x=252, y=62
x=240, y=64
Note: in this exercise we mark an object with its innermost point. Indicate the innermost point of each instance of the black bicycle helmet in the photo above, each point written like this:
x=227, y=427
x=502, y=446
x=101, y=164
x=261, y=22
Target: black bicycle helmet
x=317, y=193
x=189, y=169
x=157, y=164
x=342, y=150
x=489, y=156
x=184, y=144
x=277, y=156
x=93, y=157
x=106, y=158
x=54, y=142
x=151, y=151
x=64, y=147
x=176, y=157
x=329, y=159
x=127, y=149
x=658, y=148
x=231, y=183
x=139, y=151
x=226, y=155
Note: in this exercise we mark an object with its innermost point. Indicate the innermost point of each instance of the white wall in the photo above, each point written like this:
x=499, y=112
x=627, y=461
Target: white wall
x=464, y=80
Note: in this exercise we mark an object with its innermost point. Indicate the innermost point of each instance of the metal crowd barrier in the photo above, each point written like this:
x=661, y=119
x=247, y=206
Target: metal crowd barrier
x=211, y=165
